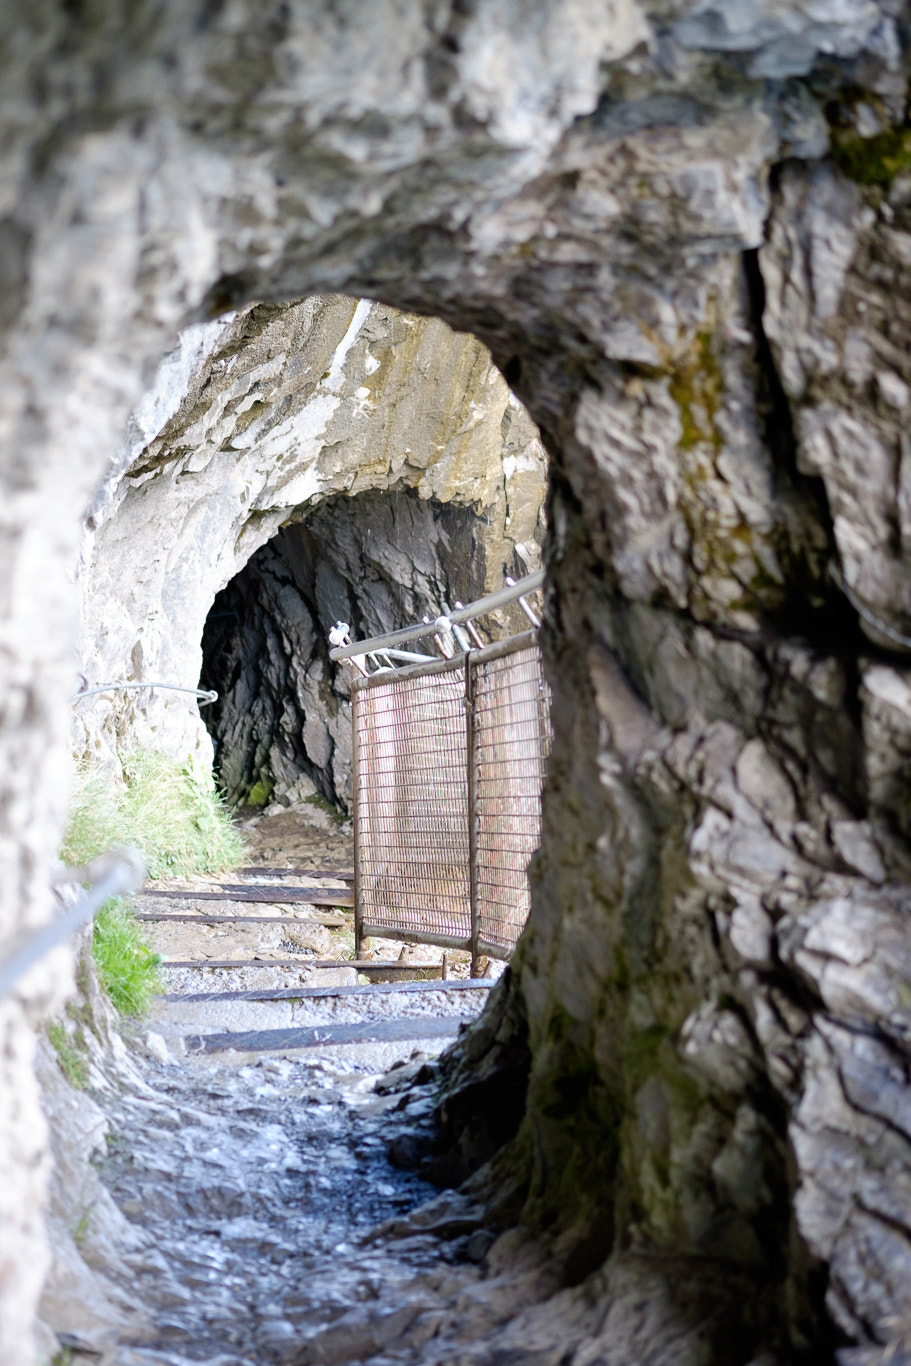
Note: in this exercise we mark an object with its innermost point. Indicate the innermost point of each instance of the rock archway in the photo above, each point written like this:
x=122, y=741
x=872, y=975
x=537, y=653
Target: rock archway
x=295, y=417
x=683, y=231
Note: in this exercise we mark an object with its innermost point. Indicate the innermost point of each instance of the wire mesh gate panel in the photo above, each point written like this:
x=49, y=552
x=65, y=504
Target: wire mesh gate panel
x=411, y=806
x=511, y=723
x=448, y=770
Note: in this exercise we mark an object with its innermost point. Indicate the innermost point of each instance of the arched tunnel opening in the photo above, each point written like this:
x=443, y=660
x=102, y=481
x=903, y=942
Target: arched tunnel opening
x=684, y=231
x=379, y=560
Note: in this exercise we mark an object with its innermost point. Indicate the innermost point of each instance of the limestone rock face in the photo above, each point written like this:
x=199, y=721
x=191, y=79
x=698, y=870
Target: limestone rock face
x=682, y=229
x=254, y=421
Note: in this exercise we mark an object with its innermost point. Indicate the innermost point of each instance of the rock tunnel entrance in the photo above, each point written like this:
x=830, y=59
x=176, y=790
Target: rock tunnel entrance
x=685, y=232
x=377, y=560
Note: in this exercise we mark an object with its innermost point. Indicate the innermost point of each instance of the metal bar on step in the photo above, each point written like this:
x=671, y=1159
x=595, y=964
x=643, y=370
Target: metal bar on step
x=338, y=874
x=269, y=896
x=364, y=990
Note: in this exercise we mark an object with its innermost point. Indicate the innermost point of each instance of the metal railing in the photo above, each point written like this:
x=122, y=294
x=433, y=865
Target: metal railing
x=443, y=625
x=449, y=758
x=114, y=874
x=205, y=695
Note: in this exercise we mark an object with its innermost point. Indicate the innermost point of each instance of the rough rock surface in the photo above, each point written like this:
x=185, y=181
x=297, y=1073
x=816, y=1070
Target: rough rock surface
x=378, y=561
x=253, y=422
x=682, y=228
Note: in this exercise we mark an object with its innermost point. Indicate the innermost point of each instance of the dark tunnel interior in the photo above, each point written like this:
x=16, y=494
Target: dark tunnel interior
x=376, y=560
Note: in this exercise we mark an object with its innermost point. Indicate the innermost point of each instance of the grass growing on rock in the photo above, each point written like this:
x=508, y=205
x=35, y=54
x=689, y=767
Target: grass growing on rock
x=172, y=811
x=71, y=1059
x=175, y=815
x=126, y=965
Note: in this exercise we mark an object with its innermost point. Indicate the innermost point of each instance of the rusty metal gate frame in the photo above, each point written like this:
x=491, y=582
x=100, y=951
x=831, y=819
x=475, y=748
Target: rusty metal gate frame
x=471, y=666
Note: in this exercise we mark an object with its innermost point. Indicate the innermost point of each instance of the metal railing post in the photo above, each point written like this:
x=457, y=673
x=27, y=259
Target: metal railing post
x=472, y=776
x=356, y=819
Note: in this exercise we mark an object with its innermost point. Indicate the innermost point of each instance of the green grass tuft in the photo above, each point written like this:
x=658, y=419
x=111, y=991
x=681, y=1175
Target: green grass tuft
x=95, y=824
x=176, y=816
x=126, y=965
x=171, y=811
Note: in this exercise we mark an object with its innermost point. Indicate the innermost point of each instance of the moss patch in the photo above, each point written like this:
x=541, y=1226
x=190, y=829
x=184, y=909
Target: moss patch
x=71, y=1053
x=872, y=161
x=574, y=1122
x=696, y=388
x=261, y=791
x=80, y=1227
x=321, y=804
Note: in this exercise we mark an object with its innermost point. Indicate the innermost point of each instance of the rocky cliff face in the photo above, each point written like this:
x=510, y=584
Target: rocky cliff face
x=254, y=422
x=682, y=229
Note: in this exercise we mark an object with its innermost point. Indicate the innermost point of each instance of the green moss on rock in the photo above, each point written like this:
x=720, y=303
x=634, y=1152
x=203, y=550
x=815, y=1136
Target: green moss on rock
x=696, y=387
x=261, y=791
x=872, y=161
x=71, y=1053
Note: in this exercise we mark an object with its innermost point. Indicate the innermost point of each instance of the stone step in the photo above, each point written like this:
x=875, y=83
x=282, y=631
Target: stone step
x=313, y=896
x=255, y=974
x=201, y=1013
x=417, y=1029
x=179, y=1017
x=331, y=919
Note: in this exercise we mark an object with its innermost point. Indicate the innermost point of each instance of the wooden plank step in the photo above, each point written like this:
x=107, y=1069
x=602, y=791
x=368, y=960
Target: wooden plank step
x=343, y=875
x=362, y=989
x=333, y=920
x=313, y=896
x=264, y=1040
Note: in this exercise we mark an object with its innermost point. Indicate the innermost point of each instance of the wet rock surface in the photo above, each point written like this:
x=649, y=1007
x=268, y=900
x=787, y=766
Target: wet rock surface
x=251, y=1190
x=251, y=1215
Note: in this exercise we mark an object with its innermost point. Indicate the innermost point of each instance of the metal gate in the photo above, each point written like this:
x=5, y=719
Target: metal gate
x=448, y=769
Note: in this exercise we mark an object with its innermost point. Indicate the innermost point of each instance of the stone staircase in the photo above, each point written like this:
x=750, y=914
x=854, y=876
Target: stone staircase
x=262, y=965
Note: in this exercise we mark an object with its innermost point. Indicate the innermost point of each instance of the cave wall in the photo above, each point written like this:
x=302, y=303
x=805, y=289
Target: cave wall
x=681, y=227
x=253, y=420
x=282, y=723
